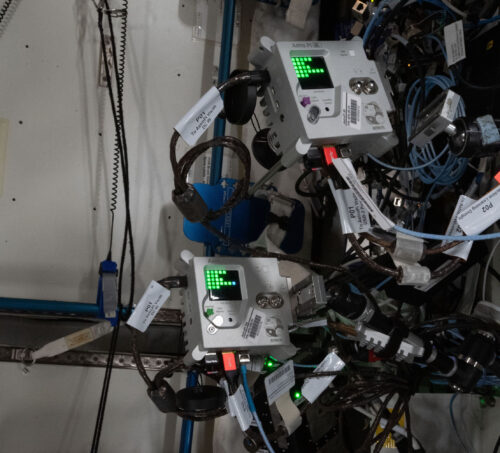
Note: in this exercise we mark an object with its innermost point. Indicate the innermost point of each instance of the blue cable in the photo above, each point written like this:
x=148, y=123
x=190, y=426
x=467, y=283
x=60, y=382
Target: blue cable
x=488, y=21
x=251, y=406
x=444, y=237
x=435, y=173
x=452, y=399
x=418, y=167
x=383, y=282
x=374, y=21
x=355, y=290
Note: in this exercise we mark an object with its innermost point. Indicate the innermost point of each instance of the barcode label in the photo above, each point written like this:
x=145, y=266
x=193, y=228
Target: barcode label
x=253, y=325
x=277, y=374
x=279, y=382
x=351, y=110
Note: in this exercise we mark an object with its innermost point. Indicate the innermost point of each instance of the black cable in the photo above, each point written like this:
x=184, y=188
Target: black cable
x=299, y=181
x=120, y=141
x=257, y=121
x=253, y=125
x=121, y=149
x=182, y=167
x=496, y=449
x=4, y=9
x=105, y=389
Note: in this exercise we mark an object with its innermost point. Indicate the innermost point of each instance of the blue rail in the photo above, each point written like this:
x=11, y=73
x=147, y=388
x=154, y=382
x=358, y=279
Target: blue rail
x=188, y=425
x=224, y=71
x=77, y=308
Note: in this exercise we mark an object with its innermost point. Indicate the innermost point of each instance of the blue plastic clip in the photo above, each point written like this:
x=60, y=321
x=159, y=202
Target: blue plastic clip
x=107, y=292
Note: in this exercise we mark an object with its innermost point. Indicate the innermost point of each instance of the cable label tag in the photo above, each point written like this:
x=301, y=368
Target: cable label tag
x=313, y=387
x=238, y=407
x=454, y=42
x=197, y=120
x=73, y=340
x=461, y=250
x=351, y=110
x=354, y=217
x=149, y=305
x=481, y=214
x=279, y=382
x=348, y=173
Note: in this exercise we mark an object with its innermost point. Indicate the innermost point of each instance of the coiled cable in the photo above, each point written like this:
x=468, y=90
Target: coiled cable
x=4, y=9
x=181, y=168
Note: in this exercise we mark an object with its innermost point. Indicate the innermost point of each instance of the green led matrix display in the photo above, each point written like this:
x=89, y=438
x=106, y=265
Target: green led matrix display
x=304, y=67
x=216, y=279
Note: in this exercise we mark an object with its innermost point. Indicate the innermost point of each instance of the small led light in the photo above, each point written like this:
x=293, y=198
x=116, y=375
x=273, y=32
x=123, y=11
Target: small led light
x=297, y=395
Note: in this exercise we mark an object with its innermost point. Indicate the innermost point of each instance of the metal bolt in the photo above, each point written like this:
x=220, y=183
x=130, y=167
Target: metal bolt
x=357, y=87
x=211, y=329
x=276, y=301
x=262, y=300
x=370, y=87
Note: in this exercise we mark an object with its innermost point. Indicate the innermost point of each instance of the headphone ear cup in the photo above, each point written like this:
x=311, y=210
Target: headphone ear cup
x=262, y=152
x=202, y=402
x=240, y=101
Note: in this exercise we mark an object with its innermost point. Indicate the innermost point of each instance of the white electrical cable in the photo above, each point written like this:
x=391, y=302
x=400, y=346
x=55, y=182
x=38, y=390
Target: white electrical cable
x=454, y=8
x=488, y=262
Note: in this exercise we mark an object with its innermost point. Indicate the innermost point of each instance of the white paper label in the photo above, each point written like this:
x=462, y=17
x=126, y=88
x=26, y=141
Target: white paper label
x=73, y=340
x=481, y=214
x=354, y=217
x=454, y=42
x=238, y=405
x=351, y=110
x=451, y=105
x=313, y=387
x=200, y=116
x=348, y=173
x=253, y=325
x=462, y=250
x=149, y=305
x=279, y=382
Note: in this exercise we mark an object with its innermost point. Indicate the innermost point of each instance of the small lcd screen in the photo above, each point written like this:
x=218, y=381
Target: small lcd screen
x=312, y=73
x=223, y=284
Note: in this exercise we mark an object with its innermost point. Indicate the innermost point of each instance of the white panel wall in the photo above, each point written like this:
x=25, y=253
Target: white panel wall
x=54, y=221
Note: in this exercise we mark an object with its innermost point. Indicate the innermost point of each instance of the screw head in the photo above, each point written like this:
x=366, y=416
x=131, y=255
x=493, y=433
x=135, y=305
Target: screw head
x=262, y=301
x=276, y=301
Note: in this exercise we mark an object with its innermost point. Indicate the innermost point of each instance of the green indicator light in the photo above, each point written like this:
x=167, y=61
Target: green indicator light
x=269, y=364
x=297, y=395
